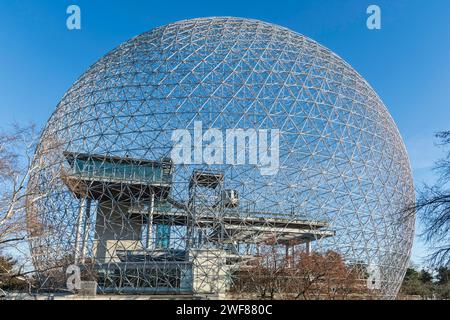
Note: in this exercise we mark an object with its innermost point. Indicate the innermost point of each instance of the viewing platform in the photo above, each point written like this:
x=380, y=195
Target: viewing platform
x=97, y=176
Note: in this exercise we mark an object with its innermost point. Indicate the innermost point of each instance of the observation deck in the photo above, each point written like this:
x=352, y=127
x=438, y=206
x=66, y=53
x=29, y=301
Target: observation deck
x=122, y=178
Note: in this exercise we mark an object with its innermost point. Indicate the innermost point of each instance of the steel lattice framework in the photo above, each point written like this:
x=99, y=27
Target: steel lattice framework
x=342, y=184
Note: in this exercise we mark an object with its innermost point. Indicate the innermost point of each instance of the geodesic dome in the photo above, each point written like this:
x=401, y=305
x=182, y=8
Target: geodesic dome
x=108, y=190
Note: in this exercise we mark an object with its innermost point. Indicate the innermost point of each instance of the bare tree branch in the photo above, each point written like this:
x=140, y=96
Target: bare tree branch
x=433, y=208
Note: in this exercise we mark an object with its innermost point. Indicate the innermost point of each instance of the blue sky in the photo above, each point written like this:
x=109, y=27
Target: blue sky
x=407, y=62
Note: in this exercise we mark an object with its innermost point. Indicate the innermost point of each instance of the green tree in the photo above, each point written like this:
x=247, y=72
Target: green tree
x=443, y=275
x=7, y=282
x=443, y=283
x=423, y=284
x=411, y=275
x=426, y=277
x=413, y=285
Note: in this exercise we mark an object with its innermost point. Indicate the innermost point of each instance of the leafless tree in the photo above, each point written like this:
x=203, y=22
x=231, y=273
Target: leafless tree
x=17, y=147
x=433, y=208
x=264, y=275
x=299, y=275
x=324, y=276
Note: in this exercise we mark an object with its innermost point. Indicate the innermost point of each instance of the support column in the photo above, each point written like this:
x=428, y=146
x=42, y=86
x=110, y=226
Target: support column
x=308, y=247
x=200, y=238
x=149, y=242
x=78, y=230
x=190, y=219
x=288, y=260
x=86, y=230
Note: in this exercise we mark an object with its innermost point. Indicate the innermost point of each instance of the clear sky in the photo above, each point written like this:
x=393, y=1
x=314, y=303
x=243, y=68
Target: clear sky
x=407, y=62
